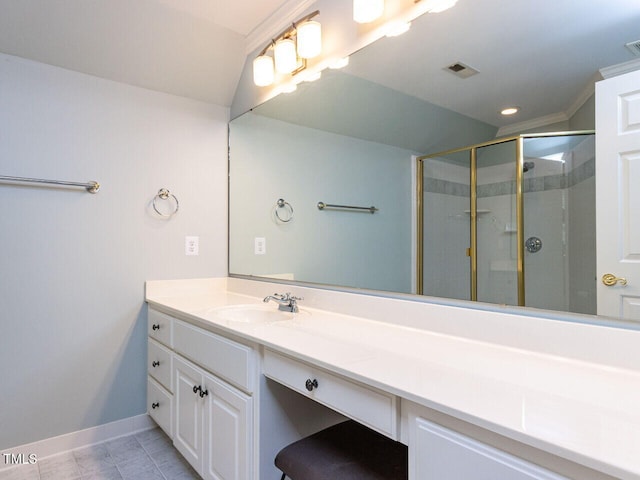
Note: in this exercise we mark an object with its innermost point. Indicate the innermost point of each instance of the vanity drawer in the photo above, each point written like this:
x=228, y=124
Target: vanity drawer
x=160, y=327
x=369, y=406
x=223, y=357
x=160, y=406
x=160, y=364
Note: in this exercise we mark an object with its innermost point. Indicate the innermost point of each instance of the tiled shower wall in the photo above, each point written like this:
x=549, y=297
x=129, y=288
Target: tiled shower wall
x=559, y=209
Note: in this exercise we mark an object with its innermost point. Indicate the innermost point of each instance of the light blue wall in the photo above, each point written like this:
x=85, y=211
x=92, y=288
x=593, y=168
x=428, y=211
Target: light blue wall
x=72, y=264
x=352, y=106
x=585, y=116
x=272, y=159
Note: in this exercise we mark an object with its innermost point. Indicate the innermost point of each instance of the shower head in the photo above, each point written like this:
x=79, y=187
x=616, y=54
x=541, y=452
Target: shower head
x=528, y=166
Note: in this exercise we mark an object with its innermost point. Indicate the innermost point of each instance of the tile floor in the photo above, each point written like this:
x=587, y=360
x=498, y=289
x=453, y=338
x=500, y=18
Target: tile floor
x=147, y=455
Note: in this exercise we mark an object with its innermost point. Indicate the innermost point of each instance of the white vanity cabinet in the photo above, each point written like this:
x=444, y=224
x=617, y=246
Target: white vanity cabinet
x=438, y=453
x=213, y=426
x=369, y=406
x=214, y=379
x=160, y=370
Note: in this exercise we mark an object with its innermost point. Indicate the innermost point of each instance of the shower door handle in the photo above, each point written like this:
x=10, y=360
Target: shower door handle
x=610, y=280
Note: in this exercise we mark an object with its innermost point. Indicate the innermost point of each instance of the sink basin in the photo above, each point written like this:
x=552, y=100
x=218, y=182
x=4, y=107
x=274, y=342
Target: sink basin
x=253, y=314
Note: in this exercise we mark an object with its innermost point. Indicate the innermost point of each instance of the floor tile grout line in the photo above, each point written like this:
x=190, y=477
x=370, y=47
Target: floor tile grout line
x=113, y=461
x=153, y=460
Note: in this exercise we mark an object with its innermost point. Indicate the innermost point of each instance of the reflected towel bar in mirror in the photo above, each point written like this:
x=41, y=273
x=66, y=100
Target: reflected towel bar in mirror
x=323, y=206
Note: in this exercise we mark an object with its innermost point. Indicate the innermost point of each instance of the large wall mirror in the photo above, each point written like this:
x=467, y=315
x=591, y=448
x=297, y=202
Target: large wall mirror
x=369, y=135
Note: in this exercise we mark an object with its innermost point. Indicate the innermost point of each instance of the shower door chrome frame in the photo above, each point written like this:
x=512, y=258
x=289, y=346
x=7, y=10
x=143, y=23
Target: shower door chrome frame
x=472, y=251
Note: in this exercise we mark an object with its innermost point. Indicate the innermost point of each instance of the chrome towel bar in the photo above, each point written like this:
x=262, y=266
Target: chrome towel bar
x=322, y=206
x=91, y=187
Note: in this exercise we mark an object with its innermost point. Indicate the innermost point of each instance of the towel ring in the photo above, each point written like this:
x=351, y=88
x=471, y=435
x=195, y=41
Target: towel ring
x=164, y=194
x=288, y=210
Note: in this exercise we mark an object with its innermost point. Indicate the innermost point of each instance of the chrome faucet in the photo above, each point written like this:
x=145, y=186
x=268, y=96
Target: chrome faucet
x=286, y=302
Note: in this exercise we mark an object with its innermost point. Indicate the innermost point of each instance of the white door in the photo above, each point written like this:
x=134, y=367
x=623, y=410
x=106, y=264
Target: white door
x=618, y=195
x=227, y=418
x=188, y=436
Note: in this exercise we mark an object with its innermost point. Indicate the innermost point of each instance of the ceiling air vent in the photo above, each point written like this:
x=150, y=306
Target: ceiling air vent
x=461, y=70
x=634, y=47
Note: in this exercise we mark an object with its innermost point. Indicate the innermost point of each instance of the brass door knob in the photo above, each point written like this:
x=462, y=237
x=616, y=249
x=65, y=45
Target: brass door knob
x=610, y=280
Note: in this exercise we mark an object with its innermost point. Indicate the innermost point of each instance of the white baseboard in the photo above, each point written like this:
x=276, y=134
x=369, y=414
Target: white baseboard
x=81, y=438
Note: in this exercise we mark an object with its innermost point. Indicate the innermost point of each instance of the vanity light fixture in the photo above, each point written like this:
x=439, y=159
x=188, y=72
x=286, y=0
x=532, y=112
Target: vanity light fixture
x=291, y=49
x=509, y=111
x=366, y=11
x=285, y=55
x=263, y=71
x=309, y=39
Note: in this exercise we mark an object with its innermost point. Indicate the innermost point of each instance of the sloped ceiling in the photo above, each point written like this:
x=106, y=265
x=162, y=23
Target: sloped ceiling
x=191, y=48
x=539, y=55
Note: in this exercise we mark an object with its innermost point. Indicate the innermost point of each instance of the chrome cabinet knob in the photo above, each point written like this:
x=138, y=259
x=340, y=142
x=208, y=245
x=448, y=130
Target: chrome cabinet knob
x=156, y=327
x=155, y=364
x=311, y=384
x=155, y=405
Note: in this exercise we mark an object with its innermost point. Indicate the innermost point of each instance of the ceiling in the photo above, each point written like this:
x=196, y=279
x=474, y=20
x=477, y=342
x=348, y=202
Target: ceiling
x=191, y=48
x=538, y=55
x=197, y=48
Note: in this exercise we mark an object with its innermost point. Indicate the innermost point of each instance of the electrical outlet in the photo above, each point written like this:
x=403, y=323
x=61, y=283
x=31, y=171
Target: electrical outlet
x=191, y=245
x=260, y=246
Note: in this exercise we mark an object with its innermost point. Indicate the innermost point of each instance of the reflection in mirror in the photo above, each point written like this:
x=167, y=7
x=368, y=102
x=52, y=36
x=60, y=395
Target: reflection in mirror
x=470, y=197
x=351, y=138
x=305, y=166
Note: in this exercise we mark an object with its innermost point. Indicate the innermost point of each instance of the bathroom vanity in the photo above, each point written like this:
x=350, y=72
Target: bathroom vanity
x=473, y=394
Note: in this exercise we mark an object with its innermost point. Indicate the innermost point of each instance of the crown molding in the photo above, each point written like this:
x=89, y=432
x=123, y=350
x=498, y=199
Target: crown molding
x=620, y=69
x=533, y=123
x=284, y=16
x=587, y=92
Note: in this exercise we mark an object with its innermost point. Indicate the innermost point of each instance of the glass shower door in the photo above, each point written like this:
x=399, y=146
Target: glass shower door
x=559, y=227
x=497, y=252
x=445, y=226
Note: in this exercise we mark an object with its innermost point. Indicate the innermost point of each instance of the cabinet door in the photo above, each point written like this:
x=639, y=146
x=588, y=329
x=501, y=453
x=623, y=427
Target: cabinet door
x=228, y=430
x=188, y=435
x=437, y=453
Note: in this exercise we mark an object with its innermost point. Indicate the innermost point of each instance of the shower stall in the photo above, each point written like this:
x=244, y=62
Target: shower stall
x=511, y=222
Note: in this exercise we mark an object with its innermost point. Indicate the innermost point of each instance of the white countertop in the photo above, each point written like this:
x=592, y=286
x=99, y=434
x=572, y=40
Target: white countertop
x=583, y=411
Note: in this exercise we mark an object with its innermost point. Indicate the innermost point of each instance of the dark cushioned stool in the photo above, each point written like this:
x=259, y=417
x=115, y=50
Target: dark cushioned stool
x=346, y=451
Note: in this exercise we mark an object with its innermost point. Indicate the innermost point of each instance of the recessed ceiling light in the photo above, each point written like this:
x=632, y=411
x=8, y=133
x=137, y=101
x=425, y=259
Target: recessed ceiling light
x=510, y=111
